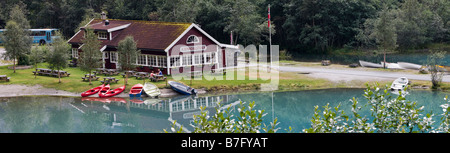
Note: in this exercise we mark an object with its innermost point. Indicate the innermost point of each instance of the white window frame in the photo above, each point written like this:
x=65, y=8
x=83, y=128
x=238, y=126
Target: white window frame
x=141, y=60
x=75, y=53
x=187, y=60
x=176, y=63
x=197, y=59
x=114, y=57
x=102, y=35
x=206, y=55
x=162, y=61
x=196, y=40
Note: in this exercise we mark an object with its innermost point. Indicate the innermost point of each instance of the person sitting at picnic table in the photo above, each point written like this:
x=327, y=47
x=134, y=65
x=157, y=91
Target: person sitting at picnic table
x=160, y=72
x=152, y=74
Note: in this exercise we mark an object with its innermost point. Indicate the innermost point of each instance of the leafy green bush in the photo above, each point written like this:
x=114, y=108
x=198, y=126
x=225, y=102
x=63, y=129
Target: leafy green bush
x=249, y=121
x=390, y=115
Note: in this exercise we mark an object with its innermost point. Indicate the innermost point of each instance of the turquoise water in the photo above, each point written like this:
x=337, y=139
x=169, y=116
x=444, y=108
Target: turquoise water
x=117, y=115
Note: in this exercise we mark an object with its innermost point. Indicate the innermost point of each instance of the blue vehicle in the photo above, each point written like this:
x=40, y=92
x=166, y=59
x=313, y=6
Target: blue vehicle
x=41, y=36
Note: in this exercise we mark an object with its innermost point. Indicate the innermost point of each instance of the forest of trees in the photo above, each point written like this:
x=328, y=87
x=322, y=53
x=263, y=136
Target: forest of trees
x=307, y=26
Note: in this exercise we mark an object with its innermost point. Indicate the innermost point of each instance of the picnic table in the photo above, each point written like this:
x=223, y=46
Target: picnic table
x=92, y=76
x=141, y=75
x=108, y=80
x=62, y=73
x=110, y=72
x=49, y=72
x=129, y=73
x=156, y=78
x=4, y=78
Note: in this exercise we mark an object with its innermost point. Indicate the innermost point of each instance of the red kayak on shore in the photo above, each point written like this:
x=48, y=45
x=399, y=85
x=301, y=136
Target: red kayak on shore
x=104, y=90
x=111, y=93
x=92, y=91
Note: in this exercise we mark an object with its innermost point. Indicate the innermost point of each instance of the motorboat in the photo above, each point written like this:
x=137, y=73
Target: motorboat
x=369, y=64
x=181, y=88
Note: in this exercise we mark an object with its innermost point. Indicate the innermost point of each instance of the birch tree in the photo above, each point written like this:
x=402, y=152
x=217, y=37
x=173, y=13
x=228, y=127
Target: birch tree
x=127, y=54
x=90, y=57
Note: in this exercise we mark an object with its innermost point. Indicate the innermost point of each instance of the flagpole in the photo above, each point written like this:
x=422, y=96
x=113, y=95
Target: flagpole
x=270, y=39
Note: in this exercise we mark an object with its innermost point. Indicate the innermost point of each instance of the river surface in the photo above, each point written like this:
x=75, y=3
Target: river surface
x=118, y=115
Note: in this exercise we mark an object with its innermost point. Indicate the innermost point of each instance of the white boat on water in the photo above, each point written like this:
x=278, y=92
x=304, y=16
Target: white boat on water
x=399, y=84
x=406, y=65
x=369, y=64
x=391, y=65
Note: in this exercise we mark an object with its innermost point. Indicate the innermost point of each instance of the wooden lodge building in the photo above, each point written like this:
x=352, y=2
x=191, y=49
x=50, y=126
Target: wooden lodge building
x=167, y=46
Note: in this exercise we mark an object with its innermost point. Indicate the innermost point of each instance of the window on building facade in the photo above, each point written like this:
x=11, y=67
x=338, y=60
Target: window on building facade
x=75, y=52
x=192, y=39
x=175, y=61
x=102, y=35
x=187, y=60
x=113, y=57
x=162, y=61
x=141, y=60
x=198, y=59
x=208, y=58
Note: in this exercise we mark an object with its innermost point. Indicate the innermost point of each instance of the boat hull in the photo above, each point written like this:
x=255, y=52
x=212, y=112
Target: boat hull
x=369, y=64
x=92, y=91
x=400, y=83
x=391, y=65
x=151, y=90
x=181, y=88
x=111, y=93
x=406, y=65
x=104, y=90
x=136, y=90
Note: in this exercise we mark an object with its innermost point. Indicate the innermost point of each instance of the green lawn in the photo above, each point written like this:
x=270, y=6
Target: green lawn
x=74, y=83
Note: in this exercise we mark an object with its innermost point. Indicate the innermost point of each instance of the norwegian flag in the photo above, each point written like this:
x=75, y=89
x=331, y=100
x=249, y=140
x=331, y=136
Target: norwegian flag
x=269, y=17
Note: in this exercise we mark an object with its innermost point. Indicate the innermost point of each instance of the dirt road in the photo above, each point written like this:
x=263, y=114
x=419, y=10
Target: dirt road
x=355, y=74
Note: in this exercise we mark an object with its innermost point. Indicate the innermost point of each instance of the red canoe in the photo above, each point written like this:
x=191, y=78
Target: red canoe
x=111, y=93
x=104, y=90
x=92, y=91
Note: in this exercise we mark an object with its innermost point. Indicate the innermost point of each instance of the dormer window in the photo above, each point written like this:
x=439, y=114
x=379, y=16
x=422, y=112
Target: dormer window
x=102, y=35
x=192, y=39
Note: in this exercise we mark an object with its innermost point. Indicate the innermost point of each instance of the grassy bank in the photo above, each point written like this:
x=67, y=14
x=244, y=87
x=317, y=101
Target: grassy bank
x=243, y=81
x=74, y=83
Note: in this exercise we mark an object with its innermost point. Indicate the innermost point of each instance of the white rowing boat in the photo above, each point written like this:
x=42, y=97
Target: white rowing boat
x=391, y=65
x=399, y=84
x=369, y=64
x=406, y=65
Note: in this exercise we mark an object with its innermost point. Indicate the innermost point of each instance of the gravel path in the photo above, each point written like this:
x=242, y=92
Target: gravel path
x=351, y=74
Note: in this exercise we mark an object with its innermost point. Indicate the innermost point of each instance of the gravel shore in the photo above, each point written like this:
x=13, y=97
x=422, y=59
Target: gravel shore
x=37, y=90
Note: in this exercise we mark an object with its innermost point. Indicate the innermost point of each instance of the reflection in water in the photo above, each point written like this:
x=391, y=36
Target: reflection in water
x=99, y=115
x=123, y=115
